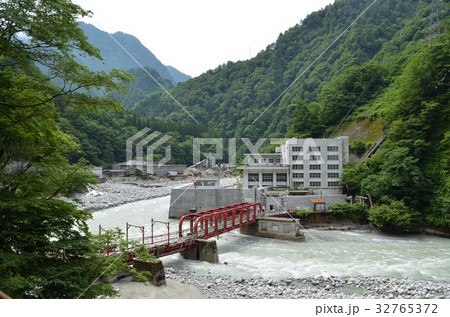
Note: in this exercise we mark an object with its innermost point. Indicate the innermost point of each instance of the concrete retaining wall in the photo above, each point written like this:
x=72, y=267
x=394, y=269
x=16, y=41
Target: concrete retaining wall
x=299, y=202
x=277, y=228
x=182, y=200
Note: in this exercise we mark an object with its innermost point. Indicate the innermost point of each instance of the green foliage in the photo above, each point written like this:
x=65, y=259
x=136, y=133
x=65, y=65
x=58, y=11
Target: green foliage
x=359, y=147
x=118, y=261
x=46, y=249
x=232, y=96
x=302, y=213
x=356, y=212
x=412, y=165
x=393, y=216
x=352, y=177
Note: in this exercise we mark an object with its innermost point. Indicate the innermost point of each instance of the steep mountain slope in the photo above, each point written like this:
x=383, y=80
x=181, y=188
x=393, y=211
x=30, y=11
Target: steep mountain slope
x=234, y=95
x=115, y=57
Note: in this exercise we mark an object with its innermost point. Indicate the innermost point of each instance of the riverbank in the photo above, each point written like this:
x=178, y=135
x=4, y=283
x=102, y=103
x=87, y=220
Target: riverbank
x=127, y=289
x=113, y=193
x=183, y=284
x=117, y=192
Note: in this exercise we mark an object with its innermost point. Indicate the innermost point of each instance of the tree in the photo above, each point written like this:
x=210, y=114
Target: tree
x=392, y=216
x=46, y=249
x=305, y=122
x=356, y=212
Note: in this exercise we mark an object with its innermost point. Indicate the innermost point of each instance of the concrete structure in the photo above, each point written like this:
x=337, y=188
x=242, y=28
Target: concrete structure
x=272, y=227
x=314, y=164
x=155, y=267
x=97, y=171
x=155, y=169
x=182, y=201
x=282, y=200
x=203, y=250
x=207, y=183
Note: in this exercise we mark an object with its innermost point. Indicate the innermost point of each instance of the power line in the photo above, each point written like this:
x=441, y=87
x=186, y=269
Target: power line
x=315, y=60
x=148, y=73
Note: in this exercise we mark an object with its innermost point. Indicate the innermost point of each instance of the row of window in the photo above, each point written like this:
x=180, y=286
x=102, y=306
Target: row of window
x=313, y=175
x=315, y=166
x=315, y=184
x=281, y=177
x=334, y=157
x=254, y=177
x=271, y=160
x=315, y=148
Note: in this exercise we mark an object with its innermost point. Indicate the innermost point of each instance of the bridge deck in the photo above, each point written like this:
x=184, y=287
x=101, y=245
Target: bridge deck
x=202, y=225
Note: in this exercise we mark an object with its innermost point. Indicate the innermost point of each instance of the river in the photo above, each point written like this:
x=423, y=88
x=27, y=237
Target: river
x=323, y=253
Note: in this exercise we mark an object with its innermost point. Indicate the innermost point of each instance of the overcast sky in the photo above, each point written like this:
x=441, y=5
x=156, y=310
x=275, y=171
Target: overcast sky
x=197, y=35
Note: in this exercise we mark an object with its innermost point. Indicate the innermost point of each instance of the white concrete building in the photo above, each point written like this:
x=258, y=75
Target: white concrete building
x=314, y=164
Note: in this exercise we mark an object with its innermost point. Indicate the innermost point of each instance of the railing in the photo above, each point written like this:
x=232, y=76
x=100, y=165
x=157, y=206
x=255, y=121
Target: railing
x=202, y=225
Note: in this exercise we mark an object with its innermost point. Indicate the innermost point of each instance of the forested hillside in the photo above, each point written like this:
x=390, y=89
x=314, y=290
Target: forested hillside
x=232, y=96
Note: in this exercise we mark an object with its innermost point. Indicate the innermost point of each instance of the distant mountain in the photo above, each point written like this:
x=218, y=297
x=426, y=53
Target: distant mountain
x=115, y=57
x=178, y=76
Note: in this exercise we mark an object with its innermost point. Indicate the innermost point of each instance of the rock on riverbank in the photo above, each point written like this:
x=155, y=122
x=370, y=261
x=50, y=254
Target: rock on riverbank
x=345, y=287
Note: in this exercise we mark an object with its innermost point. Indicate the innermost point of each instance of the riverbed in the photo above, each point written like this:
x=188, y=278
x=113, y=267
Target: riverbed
x=327, y=255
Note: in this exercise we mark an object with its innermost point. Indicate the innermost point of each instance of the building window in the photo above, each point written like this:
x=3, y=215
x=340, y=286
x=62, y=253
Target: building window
x=332, y=148
x=297, y=166
x=333, y=184
x=314, y=148
x=297, y=148
x=299, y=184
x=315, y=175
x=275, y=228
x=298, y=175
x=281, y=177
x=314, y=157
x=297, y=158
x=333, y=166
x=270, y=160
x=267, y=177
x=315, y=167
x=333, y=157
x=255, y=161
x=253, y=177
x=286, y=228
x=263, y=226
x=333, y=175
x=315, y=184
x=278, y=160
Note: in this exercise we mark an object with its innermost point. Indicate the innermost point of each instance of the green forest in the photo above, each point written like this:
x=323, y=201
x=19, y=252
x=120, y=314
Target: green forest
x=389, y=73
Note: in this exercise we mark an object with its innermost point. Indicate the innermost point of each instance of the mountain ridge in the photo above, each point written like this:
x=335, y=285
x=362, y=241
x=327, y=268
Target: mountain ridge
x=115, y=56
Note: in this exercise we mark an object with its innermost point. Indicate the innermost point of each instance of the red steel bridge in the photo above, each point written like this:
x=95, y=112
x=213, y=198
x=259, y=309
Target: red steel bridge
x=193, y=226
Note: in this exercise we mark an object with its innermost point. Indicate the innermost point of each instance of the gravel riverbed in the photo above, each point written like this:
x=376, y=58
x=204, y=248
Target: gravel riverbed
x=334, y=287
x=114, y=193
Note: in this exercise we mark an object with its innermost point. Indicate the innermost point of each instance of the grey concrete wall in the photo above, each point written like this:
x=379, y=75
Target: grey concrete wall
x=277, y=228
x=300, y=202
x=182, y=200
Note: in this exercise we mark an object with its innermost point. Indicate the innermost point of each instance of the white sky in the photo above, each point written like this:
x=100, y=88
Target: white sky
x=197, y=35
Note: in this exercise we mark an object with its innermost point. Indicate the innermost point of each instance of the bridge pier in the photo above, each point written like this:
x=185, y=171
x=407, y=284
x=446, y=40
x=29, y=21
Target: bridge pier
x=155, y=267
x=203, y=250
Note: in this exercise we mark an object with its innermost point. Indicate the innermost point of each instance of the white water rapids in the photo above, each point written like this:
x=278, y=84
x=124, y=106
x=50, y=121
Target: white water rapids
x=324, y=253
